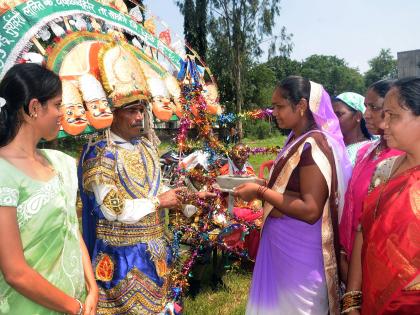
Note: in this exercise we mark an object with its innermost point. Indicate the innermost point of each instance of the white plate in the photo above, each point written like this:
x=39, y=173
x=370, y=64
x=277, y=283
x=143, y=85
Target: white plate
x=231, y=181
x=227, y=190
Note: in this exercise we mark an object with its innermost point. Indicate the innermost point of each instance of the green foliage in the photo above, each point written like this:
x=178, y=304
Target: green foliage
x=383, y=66
x=283, y=67
x=71, y=145
x=330, y=71
x=259, y=129
x=333, y=73
x=261, y=83
x=195, y=24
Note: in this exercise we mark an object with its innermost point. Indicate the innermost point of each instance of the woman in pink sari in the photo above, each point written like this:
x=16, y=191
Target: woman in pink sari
x=367, y=159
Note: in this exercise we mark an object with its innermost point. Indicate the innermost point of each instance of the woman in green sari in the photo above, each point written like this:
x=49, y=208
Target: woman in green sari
x=44, y=264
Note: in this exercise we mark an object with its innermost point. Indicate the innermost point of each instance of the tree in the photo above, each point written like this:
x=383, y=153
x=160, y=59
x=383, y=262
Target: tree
x=261, y=81
x=195, y=24
x=283, y=66
x=384, y=66
x=237, y=28
x=333, y=73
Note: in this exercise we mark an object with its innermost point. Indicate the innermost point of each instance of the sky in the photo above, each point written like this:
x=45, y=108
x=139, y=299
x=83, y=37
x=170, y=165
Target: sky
x=354, y=30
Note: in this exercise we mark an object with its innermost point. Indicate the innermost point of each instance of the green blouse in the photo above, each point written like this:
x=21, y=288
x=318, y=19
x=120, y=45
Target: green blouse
x=46, y=215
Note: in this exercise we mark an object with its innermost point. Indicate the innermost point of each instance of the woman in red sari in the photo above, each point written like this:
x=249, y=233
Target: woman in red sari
x=386, y=252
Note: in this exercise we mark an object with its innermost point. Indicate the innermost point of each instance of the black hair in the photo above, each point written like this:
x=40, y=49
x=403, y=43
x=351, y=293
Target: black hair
x=294, y=88
x=382, y=87
x=21, y=84
x=363, y=127
x=409, y=93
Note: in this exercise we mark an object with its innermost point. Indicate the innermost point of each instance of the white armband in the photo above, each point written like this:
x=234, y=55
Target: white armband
x=133, y=210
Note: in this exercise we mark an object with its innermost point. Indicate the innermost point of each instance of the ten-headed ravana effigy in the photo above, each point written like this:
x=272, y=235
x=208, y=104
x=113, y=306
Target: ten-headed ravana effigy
x=72, y=38
x=107, y=57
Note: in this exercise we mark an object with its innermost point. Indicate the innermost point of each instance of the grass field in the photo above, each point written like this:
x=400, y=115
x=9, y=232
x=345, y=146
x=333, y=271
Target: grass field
x=229, y=298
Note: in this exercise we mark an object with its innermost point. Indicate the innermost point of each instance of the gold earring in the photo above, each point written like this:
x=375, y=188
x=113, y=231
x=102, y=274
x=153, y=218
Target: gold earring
x=301, y=113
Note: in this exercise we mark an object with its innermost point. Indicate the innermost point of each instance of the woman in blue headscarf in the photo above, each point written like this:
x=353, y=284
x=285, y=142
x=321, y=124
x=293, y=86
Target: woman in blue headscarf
x=349, y=108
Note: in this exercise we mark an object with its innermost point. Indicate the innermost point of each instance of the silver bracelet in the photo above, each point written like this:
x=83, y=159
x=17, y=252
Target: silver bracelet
x=80, y=311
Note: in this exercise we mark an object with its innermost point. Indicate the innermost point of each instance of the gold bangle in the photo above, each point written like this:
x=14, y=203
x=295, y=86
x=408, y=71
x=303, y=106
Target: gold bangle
x=352, y=293
x=348, y=310
x=351, y=300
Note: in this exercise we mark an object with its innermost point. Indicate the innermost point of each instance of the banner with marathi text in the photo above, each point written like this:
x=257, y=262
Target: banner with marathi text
x=20, y=24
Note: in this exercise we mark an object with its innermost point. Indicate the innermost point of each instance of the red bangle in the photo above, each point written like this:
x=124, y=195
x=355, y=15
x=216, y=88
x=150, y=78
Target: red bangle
x=263, y=192
x=260, y=192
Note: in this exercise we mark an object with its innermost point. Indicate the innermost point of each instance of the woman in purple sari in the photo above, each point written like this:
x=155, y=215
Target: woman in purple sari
x=296, y=266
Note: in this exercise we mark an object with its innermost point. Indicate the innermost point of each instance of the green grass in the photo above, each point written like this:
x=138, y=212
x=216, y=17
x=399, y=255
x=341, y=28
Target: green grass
x=257, y=159
x=228, y=299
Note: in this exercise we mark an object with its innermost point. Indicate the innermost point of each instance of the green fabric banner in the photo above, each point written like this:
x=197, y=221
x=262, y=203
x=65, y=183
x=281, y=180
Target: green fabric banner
x=20, y=24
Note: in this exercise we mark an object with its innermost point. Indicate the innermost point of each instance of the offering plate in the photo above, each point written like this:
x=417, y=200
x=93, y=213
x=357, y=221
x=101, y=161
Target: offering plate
x=228, y=182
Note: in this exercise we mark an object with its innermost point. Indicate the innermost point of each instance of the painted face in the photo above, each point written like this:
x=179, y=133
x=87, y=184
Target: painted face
x=162, y=108
x=211, y=96
x=99, y=114
x=346, y=117
x=128, y=122
x=286, y=117
x=49, y=118
x=401, y=126
x=178, y=108
x=374, y=112
x=74, y=119
x=239, y=154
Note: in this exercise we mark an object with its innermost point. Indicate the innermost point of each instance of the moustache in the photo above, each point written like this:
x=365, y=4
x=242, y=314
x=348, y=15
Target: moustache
x=73, y=120
x=138, y=124
x=104, y=114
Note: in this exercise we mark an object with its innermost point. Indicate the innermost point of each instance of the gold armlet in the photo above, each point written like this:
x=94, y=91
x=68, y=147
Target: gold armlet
x=114, y=202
